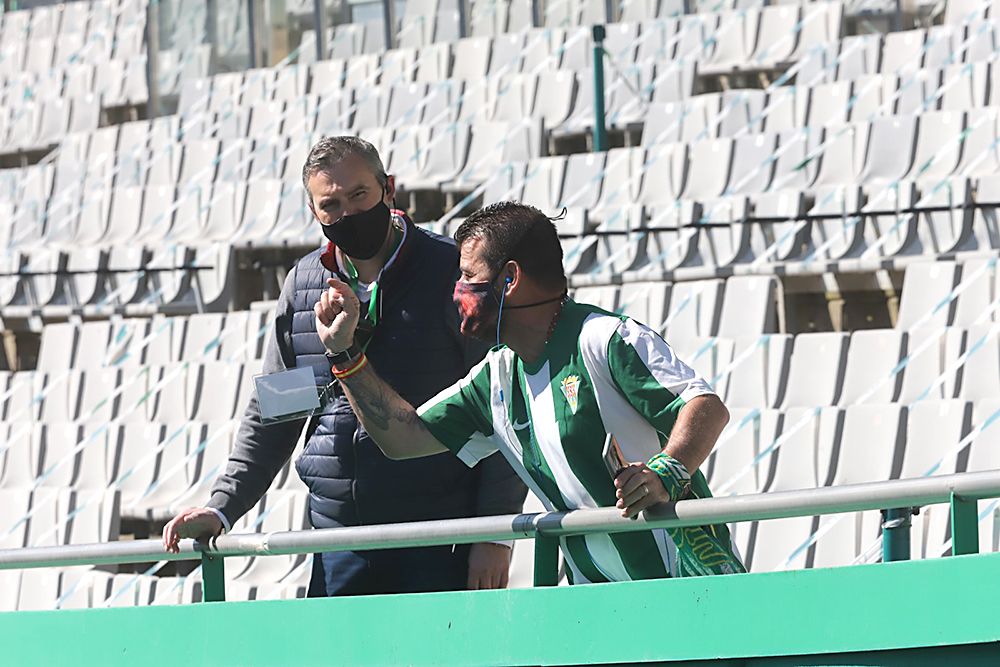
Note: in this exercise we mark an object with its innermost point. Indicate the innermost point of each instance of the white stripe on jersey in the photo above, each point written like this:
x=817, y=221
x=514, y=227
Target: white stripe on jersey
x=500, y=386
x=543, y=419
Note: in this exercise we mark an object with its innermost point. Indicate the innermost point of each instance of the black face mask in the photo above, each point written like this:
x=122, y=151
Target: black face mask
x=361, y=235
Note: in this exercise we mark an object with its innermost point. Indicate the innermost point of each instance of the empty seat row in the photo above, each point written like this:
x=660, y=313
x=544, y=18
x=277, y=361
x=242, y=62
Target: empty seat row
x=548, y=96
x=52, y=516
x=901, y=52
x=32, y=126
x=784, y=109
x=939, y=145
x=936, y=147
x=133, y=343
x=137, y=281
x=157, y=469
x=751, y=38
x=738, y=307
x=180, y=202
x=877, y=365
x=67, y=588
x=128, y=394
x=437, y=153
x=935, y=295
x=261, y=578
x=50, y=21
x=64, y=589
x=765, y=234
x=804, y=448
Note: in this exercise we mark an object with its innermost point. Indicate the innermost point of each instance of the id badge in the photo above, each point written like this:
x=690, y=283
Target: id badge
x=291, y=394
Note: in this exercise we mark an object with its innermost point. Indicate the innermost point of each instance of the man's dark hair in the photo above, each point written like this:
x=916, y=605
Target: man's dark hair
x=515, y=231
x=330, y=151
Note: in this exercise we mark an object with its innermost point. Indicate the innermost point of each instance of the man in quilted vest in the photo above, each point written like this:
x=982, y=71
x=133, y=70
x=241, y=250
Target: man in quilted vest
x=403, y=276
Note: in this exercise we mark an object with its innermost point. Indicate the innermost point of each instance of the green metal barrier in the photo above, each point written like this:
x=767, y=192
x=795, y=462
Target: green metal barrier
x=927, y=612
x=961, y=490
x=910, y=613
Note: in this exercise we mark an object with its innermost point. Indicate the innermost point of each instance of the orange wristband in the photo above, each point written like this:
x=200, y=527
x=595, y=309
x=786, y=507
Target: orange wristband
x=343, y=374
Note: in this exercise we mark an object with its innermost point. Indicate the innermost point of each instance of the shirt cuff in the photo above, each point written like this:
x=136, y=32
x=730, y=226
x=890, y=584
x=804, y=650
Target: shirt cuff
x=226, y=527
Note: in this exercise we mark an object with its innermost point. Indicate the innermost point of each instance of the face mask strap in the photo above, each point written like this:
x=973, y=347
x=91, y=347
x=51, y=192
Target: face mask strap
x=539, y=303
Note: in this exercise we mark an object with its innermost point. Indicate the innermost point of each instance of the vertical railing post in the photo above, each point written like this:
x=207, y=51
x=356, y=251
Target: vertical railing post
x=546, y=561
x=212, y=34
x=319, y=19
x=252, y=33
x=600, y=131
x=213, y=578
x=964, y=526
x=153, y=58
x=276, y=43
x=464, y=19
x=537, y=20
x=389, y=19
x=896, y=534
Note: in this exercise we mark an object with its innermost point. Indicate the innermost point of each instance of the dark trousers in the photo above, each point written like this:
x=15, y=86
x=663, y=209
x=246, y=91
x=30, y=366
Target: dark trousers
x=416, y=570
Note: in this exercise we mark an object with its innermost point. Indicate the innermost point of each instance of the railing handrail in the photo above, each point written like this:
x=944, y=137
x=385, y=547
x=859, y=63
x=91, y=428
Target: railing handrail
x=695, y=512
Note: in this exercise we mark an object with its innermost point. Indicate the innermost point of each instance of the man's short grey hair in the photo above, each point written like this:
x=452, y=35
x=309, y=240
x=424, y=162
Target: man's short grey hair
x=330, y=151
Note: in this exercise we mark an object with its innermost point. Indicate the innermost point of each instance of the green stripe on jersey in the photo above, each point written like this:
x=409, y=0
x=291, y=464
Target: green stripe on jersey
x=458, y=417
x=644, y=392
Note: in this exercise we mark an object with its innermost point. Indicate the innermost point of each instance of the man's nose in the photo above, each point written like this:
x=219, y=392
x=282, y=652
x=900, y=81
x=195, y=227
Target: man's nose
x=352, y=209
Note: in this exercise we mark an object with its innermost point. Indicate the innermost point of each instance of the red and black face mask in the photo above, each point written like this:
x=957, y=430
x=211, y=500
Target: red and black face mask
x=479, y=307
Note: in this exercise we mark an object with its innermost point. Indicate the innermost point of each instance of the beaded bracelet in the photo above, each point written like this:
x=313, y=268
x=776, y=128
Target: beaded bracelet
x=355, y=367
x=675, y=477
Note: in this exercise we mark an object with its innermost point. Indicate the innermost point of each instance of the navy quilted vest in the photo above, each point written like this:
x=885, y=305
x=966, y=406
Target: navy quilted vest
x=414, y=349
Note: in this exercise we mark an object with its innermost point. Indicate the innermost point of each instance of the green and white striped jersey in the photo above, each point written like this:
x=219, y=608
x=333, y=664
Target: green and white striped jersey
x=600, y=373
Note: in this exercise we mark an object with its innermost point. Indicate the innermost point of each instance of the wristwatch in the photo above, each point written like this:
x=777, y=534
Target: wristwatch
x=344, y=356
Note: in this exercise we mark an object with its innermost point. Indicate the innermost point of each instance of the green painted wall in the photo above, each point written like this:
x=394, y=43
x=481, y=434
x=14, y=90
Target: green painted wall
x=881, y=611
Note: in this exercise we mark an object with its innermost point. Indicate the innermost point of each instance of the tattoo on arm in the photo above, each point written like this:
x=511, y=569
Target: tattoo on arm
x=378, y=404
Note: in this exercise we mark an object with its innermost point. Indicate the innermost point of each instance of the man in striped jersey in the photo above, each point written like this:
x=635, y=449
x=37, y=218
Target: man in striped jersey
x=565, y=376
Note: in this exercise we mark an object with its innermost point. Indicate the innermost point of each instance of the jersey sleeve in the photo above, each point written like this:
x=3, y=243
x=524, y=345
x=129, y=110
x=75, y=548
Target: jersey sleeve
x=459, y=416
x=650, y=376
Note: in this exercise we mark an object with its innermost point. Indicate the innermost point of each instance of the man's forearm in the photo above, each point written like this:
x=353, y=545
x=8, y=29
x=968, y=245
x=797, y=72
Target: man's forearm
x=391, y=422
x=258, y=454
x=698, y=427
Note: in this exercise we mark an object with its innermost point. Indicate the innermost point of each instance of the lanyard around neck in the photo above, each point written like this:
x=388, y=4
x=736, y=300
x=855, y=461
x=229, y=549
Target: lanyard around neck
x=353, y=280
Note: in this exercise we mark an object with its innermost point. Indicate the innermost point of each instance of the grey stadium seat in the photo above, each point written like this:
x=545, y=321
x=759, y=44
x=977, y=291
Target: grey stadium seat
x=925, y=289
x=870, y=373
x=934, y=428
x=816, y=370
x=984, y=455
x=871, y=450
x=759, y=379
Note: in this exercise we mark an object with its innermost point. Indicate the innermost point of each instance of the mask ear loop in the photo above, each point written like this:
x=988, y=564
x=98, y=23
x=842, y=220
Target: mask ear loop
x=503, y=295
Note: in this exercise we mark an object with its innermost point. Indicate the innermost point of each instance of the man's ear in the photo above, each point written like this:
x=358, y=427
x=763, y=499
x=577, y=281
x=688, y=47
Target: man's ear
x=312, y=209
x=512, y=275
x=390, y=188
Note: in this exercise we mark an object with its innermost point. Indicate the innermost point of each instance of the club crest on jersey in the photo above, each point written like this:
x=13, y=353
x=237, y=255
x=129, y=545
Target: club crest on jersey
x=569, y=386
